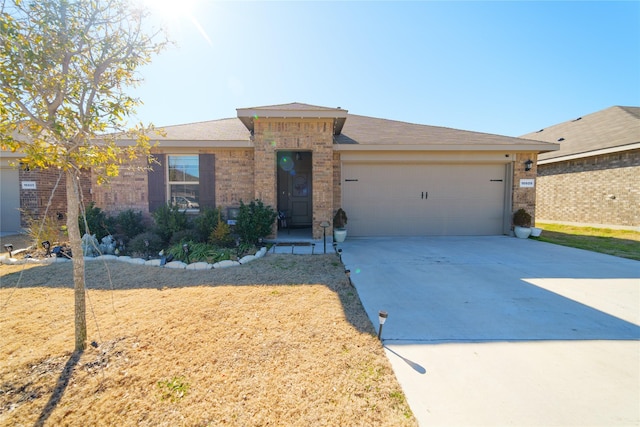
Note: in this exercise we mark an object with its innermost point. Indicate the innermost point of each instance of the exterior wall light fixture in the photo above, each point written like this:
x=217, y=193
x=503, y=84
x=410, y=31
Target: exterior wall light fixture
x=527, y=165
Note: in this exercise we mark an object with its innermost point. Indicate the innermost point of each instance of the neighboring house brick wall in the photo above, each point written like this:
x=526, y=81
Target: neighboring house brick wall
x=603, y=189
x=524, y=197
x=33, y=203
x=316, y=135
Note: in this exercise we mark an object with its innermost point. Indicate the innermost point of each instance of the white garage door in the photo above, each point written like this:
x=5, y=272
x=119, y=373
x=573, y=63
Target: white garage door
x=423, y=199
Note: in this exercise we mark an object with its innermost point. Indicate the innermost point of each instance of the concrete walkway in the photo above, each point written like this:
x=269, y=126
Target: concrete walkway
x=502, y=331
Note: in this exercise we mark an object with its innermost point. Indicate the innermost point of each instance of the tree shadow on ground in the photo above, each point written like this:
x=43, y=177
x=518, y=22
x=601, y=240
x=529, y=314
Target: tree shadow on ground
x=60, y=388
x=272, y=270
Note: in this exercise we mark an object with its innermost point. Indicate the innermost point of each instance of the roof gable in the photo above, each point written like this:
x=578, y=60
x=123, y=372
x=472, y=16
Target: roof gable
x=614, y=127
x=295, y=109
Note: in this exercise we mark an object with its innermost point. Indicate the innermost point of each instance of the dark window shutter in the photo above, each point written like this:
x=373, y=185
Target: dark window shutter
x=157, y=183
x=207, y=166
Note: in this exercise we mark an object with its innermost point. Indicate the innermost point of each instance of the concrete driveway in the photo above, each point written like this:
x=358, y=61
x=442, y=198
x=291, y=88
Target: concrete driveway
x=504, y=331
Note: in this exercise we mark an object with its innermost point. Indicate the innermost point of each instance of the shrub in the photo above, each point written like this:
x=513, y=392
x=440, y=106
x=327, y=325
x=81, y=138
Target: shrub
x=221, y=234
x=340, y=219
x=129, y=223
x=521, y=218
x=205, y=222
x=48, y=228
x=182, y=236
x=169, y=219
x=137, y=244
x=97, y=222
x=255, y=221
x=198, y=252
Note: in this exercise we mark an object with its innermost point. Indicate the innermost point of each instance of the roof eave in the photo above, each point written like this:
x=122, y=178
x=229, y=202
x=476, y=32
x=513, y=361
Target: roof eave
x=445, y=147
x=173, y=143
x=585, y=154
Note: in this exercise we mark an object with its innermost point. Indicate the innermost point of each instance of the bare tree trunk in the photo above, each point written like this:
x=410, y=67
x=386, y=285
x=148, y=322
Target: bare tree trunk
x=73, y=209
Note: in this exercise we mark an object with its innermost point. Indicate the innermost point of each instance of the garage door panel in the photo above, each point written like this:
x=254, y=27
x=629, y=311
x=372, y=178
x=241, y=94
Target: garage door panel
x=423, y=199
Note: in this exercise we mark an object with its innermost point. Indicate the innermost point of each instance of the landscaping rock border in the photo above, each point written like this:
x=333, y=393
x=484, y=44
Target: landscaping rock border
x=4, y=259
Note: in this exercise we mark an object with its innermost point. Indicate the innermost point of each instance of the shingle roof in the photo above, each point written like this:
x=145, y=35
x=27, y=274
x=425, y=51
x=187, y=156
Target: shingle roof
x=295, y=106
x=215, y=130
x=373, y=131
x=614, y=127
x=357, y=132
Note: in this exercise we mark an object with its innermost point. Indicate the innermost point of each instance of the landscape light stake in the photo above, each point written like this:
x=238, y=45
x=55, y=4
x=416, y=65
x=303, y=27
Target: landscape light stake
x=324, y=225
x=8, y=248
x=47, y=247
x=348, y=273
x=382, y=317
x=185, y=249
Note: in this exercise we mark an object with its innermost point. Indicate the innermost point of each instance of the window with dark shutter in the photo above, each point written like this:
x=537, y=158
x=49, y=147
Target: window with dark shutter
x=207, y=180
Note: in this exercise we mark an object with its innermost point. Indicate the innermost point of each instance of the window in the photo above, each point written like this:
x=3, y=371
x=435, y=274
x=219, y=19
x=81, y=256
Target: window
x=184, y=181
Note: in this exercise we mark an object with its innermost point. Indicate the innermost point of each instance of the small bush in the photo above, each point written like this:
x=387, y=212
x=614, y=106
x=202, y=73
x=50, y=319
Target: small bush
x=221, y=234
x=340, y=219
x=168, y=220
x=522, y=218
x=205, y=223
x=129, y=223
x=255, y=221
x=198, y=252
x=97, y=222
x=137, y=244
x=48, y=228
x=188, y=235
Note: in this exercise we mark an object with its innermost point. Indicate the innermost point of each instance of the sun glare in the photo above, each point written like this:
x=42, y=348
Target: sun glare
x=171, y=9
x=177, y=14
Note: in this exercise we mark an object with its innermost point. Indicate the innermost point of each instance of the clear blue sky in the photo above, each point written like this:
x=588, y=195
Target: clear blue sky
x=507, y=68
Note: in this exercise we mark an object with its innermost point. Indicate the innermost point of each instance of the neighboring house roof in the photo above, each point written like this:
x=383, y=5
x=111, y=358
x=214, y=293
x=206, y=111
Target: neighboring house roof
x=611, y=130
x=351, y=132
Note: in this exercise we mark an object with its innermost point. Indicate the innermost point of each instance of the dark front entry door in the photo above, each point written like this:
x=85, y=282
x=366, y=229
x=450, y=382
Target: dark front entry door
x=294, y=187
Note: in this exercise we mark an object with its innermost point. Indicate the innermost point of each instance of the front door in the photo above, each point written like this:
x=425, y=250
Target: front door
x=295, y=188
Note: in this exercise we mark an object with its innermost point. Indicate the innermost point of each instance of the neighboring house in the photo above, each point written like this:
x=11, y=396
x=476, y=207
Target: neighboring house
x=9, y=191
x=392, y=178
x=594, y=178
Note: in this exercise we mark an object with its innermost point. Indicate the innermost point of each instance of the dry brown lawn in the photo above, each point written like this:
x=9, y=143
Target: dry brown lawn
x=283, y=340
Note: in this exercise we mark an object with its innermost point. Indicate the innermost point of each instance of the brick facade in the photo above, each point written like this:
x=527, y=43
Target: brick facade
x=234, y=181
x=316, y=135
x=50, y=186
x=234, y=177
x=125, y=191
x=238, y=161
x=524, y=197
x=603, y=189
